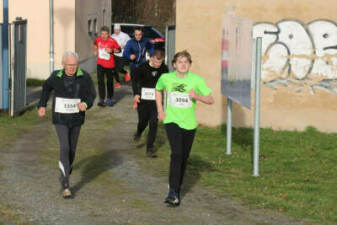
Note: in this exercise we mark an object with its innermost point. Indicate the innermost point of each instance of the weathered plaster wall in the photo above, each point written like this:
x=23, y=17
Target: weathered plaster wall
x=38, y=32
x=299, y=64
x=90, y=10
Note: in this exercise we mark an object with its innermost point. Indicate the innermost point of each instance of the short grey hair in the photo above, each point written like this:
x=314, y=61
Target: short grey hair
x=66, y=54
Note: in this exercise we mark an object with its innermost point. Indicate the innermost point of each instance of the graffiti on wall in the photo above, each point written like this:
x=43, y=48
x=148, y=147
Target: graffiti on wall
x=297, y=53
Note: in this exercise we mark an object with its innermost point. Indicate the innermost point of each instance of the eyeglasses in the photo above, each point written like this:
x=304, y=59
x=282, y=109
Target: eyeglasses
x=71, y=65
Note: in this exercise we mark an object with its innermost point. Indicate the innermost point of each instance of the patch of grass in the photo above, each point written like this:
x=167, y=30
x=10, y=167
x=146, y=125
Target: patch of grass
x=298, y=170
x=9, y=216
x=32, y=82
x=12, y=128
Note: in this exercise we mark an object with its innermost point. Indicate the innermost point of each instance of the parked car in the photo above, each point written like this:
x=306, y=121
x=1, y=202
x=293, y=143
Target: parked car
x=156, y=38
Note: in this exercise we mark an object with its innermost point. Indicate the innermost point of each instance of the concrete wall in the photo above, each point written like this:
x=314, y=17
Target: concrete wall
x=299, y=74
x=38, y=32
x=70, y=30
x=88, y=10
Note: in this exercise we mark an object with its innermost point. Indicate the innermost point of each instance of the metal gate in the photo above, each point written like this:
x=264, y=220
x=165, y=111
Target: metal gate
x=18, y=66
x=170, y=45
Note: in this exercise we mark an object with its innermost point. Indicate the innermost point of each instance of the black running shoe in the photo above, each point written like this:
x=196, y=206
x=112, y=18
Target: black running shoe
x=173, y=198
x=150, y=152
x=101, y=104
x=136, y=137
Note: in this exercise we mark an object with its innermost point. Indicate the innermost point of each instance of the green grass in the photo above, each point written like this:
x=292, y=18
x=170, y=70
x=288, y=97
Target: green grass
x=12, y=128
x=34, y=82
x=298, y=170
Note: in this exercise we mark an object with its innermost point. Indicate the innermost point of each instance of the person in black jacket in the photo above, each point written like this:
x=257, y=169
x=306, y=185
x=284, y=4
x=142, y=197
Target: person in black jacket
x=74, y=94
x=145, y=79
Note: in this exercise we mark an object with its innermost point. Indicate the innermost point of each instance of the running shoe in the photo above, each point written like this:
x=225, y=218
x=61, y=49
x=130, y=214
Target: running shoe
x=136, y=137
x=110, y=102
x=66, y=193
x=101, y=103
x=127, y=77
x=117, y=85
x=150, y=152
x=173, y=198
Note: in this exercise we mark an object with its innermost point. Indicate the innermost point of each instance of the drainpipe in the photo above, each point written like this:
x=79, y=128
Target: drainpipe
x=51, y=31
x=5, y=57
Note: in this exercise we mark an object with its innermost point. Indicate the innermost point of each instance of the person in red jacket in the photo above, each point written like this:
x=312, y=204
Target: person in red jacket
x=104, y=49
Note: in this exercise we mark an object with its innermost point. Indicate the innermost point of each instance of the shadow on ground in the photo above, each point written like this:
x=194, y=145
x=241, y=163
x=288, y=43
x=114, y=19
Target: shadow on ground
x=241, y=136
x=121, y=93
x=195, y=167
x=92, y=166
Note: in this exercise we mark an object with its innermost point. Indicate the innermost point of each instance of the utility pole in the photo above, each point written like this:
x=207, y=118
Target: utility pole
x=5, y=57
x=51, y=31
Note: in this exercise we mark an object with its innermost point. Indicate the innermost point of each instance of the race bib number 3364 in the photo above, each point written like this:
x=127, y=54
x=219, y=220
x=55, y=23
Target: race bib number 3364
x=66, y=105
x=180, y=100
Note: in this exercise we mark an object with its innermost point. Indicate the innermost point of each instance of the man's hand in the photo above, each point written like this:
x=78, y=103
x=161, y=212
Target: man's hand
x=82, y=107
x=136, y=98
x=161, y=116
x=108, y=50
x=41, y=112
x=132, y=57
x=193, y=94
x=95, y=50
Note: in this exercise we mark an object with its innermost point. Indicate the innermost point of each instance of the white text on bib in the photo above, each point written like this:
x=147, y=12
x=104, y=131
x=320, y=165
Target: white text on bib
x=66, y=105
x=180, y=100
x=148, y=94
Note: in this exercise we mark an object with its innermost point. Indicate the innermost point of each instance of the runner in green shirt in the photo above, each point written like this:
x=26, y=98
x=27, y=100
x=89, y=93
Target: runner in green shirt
x=183, y=89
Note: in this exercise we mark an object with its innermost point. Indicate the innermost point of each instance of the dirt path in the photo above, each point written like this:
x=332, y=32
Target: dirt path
x=110, y=186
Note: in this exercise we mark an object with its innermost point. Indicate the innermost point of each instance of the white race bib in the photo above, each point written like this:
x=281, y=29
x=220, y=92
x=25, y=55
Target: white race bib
x=66, y=105
x=148, y=94
x=180, y=100
x=102, y=54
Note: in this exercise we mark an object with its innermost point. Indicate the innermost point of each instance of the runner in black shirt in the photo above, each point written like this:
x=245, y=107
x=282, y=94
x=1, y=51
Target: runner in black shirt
x=145, y=79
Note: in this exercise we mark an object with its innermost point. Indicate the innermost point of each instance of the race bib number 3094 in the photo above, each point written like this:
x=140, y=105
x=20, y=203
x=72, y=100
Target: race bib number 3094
x=66, y=105
x=148, y=94
x=180, y=100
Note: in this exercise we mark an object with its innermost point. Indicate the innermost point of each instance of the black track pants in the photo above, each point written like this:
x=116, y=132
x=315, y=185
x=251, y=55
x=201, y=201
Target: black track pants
x=68, y=137
x=147, y=115
x=181, y=141
x=120, y=63
x=101, y=71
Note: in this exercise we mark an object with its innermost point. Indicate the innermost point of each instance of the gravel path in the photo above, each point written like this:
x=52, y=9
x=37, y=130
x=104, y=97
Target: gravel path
x=129, y=194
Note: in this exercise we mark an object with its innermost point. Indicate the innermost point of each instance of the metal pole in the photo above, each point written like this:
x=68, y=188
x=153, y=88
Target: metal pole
x=257, y=106
x=51, y=29
x=12, y=68
x=229, y=127
x=5, y=57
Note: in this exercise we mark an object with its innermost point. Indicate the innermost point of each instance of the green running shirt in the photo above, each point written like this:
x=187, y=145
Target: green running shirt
x=180, y=108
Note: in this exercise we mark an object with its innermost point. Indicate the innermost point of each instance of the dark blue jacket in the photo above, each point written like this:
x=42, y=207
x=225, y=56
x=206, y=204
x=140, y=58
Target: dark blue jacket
x=137, y=48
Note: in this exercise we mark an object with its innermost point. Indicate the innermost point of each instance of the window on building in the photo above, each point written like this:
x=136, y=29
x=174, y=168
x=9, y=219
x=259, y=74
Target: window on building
x=104, y=16
x=89, y=27
x=94, y=25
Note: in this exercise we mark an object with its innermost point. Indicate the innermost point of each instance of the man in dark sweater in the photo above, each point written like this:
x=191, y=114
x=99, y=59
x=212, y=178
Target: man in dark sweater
x=74, y=94
x=145, y=79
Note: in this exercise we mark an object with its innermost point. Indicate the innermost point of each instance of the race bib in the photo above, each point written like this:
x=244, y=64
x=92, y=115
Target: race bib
x=102, y=54
x=148, y=94
x=66, y=105
x=180, y=100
